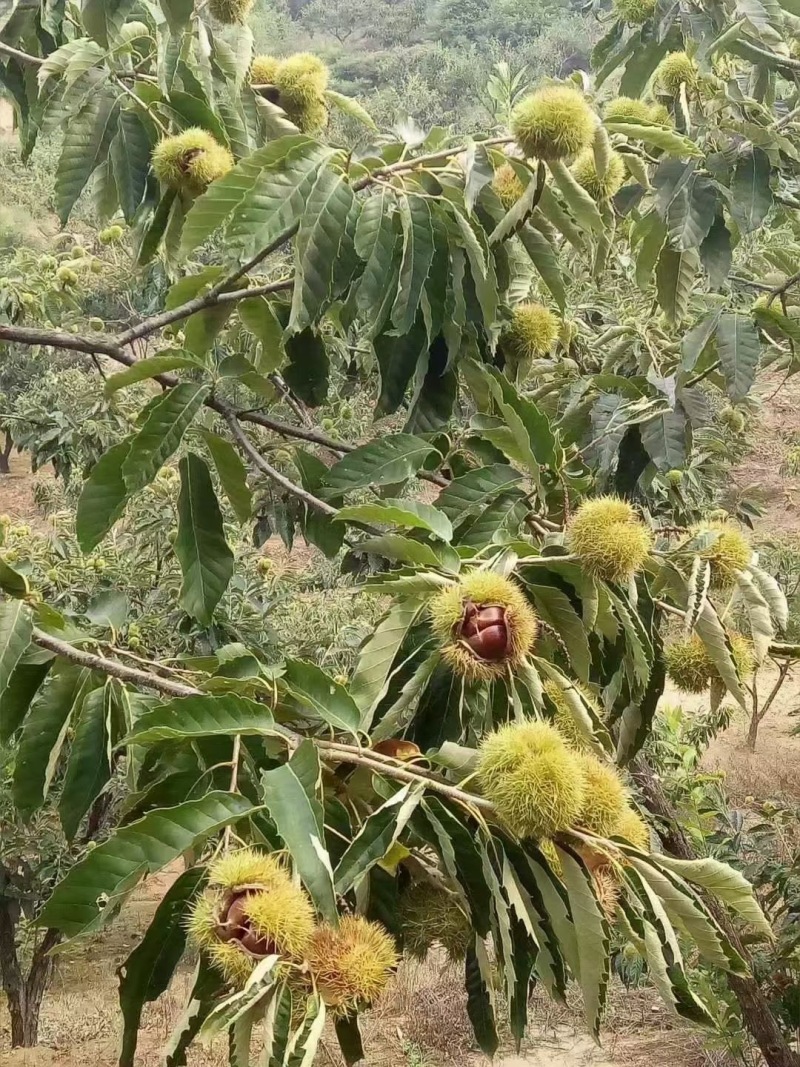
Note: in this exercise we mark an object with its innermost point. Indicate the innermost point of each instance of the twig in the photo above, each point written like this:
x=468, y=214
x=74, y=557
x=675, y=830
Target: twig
x=779, y=290
x=703, y=375
x=785, y=667
x=23, y=57
x=261, y=464
x=234, y=784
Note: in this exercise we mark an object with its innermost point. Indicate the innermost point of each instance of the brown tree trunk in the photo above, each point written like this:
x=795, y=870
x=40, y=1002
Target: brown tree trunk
x=5, y=455
x=752, y=731
x=23, y=993
x=756, y=1012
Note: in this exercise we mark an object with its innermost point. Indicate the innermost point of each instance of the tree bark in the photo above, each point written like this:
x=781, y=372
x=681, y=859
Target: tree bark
x=24, y=993
x=756, y=1012
x=5, y=455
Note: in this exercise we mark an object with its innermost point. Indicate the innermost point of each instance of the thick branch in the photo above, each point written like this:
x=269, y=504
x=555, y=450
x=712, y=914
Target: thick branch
x=93, y=345
x=23, y=57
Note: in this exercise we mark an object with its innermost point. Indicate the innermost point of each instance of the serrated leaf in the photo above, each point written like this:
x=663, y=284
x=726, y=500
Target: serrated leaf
x=576, y=198
x=317, y=692
x=723, y=882
x=417, y=256
x=675, y=274
x=739, y=350
x=25, y=681
x=664, y=439
x=232, y=474
x=545, y=259
x=103, y=497
x=773, y=594
x=472, y=491
x=43, y=737
x=149, y=367
x=692, y=211
x=555, y=609
x=207, y=985
x=407, y=513
x=103, y=19
x=86, y=143
x=373, y=667
x=398, y=359
x=264, y=190
x=168, y=419
x=375, y=241
x=716, y=253
x=663, y=137
x=16, y=628
x=402, y=549
x=711, y=632
x=761, y=628
x=202, y=551
x=751, y=196
x=322, y=229
x=385, y=461
x=130, y=160
x=293, y=797
x=148, y=970
x=86, y=897
x=593, y=942
x=348, y=105
x=226, y=715
x=478, y=982
x=378, y=833
x=258, y=317
x=88, y=769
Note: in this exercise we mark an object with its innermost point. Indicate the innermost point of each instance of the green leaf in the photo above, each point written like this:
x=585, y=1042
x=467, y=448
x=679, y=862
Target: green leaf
x=203, y=553
x=576, y=198
x=739, y=350
x=478, y=982
x=87, y=139
x=772, y=593
x=351, y=107
x=716, y=253
x=293, y=796
x=103, y=19
x=190, y=717
x=266, y=188
x=168, y=419
x=593, y=942
x=319, y=694
x=16, y=629
x=712, y=633
x=692, y=211
x=663, y=137
x=148, y=970
x=259, y=318
x=349, y=1037
x=88, y=769
x=722, y=882
x=86, y=898
x=130, y=159
x=232, y=474
x=43, y=737
x=664, y=439
x=472, y=491
x=675, y=274
x=555, y=609
x=25, y=681
x=374, y=666
x=398, y=359
x=385, y=461
x=316, y=247
x=375, y=240
x=151, y=238
x=12, y=582
x=751, y=196
x=307, y=373
x=761, y=628
x=207, y=985
x=409, y=513
x=407, y=550
x=498, y=523
x=150, y=367
x=378, y=833
x=418, y=248
x=103, y=497
x=545, y=259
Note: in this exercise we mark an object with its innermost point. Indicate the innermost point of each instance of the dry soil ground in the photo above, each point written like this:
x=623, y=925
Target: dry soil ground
x=422, y=1022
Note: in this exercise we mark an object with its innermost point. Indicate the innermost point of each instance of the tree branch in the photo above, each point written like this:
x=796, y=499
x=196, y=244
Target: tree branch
x=23, y=57
x=258, y=461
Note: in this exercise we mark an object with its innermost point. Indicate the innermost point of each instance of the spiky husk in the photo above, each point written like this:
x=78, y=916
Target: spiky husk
x=729, y=553
x=284, y=916
x=609, y=538
x=230, y=11
x=482, y=587
x=301, y=79
x=553, y=123
x=674, y=70
x=191, y=160
x=605, y=796
x=743, y=654
x=550, y=853
x=599, y=188
x=564, y=720
x=234, y=965
x=628, y=109
x=351, y=964
x=507, y=185
x=247, y=867
x=532, y=332
x=308, y=117
x=607, y=889
x=201, y=922
x=532, y=778
x=660, y=113
x=635, y=11
x=430, y=914
x=264, y=70
x=689, y=666
x=634, y=829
